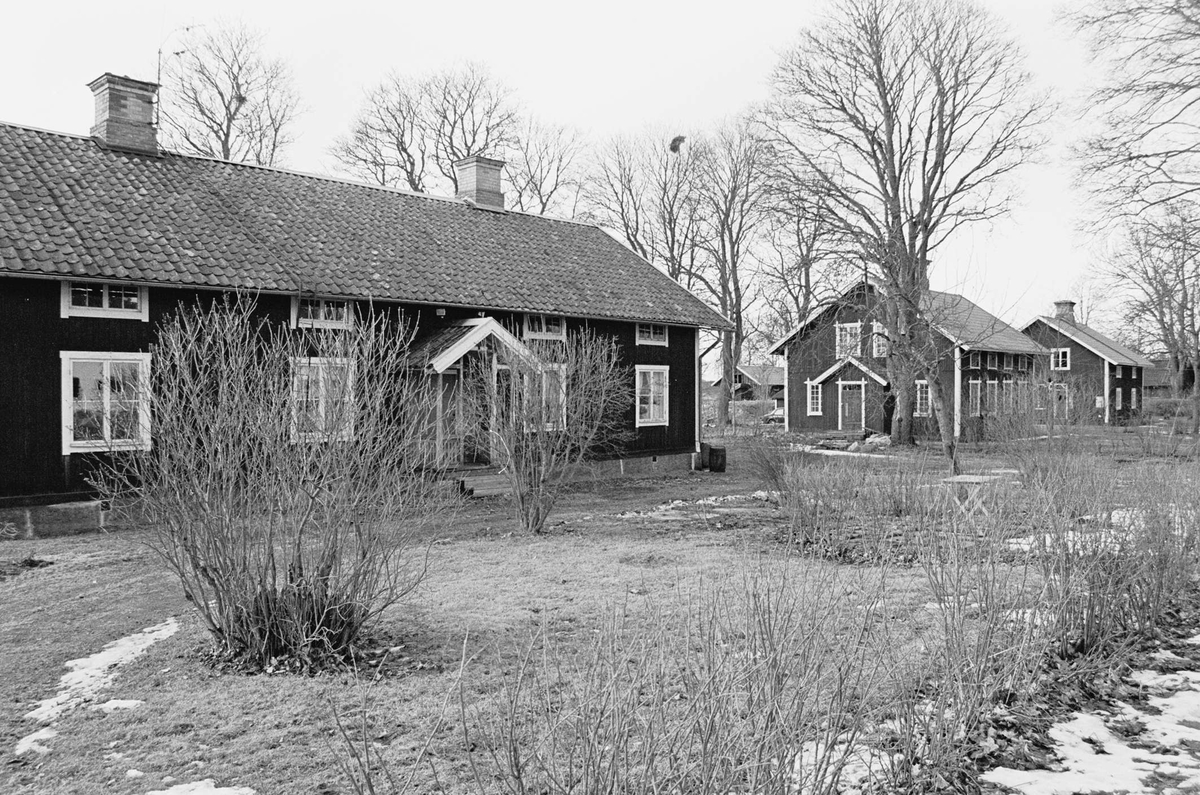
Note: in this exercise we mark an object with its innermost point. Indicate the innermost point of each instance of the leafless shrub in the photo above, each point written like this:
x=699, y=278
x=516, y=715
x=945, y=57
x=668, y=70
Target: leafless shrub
x=287, y=480
x=761, y=686
x=548, y=414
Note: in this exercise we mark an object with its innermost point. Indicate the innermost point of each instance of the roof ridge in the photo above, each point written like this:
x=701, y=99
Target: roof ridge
x=170, y=153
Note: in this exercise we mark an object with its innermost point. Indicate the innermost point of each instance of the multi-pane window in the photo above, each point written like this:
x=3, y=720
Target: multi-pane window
x=322, y=313
x=992, y=403
x=991, y=361
x=1022, y=363
x=974, y=398
x=973, y=360
x=814, y=399
x=849, y=340
x=322, y=399
x=1133, y=398
x=651, y=334
x=103, y=299
x=922, y=399
x=880, y=344
x=1008, y=361
x=652, y=391
x=1060, y=359
x=105, y=405
x=554, y=396
x=1118, y=399
x=545, y=327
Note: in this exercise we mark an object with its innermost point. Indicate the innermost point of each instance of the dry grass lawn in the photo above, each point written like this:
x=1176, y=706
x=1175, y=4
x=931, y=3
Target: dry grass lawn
x=607, y=549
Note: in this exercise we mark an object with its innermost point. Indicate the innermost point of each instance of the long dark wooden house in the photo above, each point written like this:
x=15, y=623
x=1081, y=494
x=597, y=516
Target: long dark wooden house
x=1093, y=377
x=103, y=236
x=836, y=366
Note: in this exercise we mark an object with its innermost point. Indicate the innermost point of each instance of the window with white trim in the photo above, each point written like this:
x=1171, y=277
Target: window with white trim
x=322, y=399
x=1122, y=371
x=554, y=396
x=1118, y=399
x=1008, y=361
x=653, y=389
x=973, y=360
x=992, y=403
x=104, y=299
x=974, y=398
x=848, y=341
x=815, y=396
x=545, y=327
x=104, y=401
x=1060, y=358
x=1133, y=398
x=880, y=344
x=991, y=360
x=651, y=334
x=321, y=313
x=922, y=404
x=1023, y=363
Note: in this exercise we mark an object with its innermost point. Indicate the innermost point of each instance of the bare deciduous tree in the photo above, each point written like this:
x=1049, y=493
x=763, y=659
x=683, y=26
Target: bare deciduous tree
x=732, y=197
x=1148, y=152
x=410, y=133
x=1156, y=269
x=549, y=413
x=910, y=116
x=618, y=197
x=223, y=98
x=388, y=144
x=542, y=170
x=288, y=480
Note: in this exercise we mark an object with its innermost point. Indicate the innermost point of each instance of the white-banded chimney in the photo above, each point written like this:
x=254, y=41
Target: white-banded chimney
x=125, y=113
x=479, y=181
x=1065, y=310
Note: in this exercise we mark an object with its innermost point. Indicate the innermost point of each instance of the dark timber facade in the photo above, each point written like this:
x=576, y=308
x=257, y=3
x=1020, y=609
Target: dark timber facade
x=103, y=238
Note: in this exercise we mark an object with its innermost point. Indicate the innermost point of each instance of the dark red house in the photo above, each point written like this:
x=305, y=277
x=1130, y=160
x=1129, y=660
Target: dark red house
x=102, y=236
x=836, y=366
x=1093, y=377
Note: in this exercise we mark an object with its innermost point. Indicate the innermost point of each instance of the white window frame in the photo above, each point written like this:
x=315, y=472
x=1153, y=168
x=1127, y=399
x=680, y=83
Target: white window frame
x=992, y=363
x=837, y=340
x=880, y=344
x=815, y=390
x=1118, y=399
x=1022, y=363
x=922, y=389
x=991, y=400
x=973, y=361
x=343, y=434
x=650, y=337
x=975, y=398
x=322, y=322
x=542, y=334
x=69, y=443
x=67, y=309
x=561, y=421
x=1133, y=398
x=1121, y=371
x=1060, y=359
x=1008, y=361
x=652, y=369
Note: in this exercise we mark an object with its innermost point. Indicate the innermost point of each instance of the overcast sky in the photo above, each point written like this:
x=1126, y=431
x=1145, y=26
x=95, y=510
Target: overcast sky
x=604, y=67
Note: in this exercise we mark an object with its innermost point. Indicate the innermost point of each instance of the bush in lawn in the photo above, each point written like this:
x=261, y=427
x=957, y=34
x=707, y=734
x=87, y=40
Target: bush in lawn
x=548, y=414
x=759, y=685
x=287, y=478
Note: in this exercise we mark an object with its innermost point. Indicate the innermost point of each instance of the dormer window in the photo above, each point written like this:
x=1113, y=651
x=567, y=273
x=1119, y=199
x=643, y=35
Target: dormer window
x=545, y=327
x=651, y=334
x=321, y=313
x=104, y=299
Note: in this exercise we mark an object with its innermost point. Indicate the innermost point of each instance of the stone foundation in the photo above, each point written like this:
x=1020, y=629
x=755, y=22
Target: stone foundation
x=51, y=521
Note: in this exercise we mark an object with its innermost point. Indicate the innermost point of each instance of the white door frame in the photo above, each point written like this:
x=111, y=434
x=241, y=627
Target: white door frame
x=862, y=385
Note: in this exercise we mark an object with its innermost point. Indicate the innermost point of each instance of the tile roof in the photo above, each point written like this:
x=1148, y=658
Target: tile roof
x=70, y=207
x=966, y=324
x=1097, y=343
x=960, y=319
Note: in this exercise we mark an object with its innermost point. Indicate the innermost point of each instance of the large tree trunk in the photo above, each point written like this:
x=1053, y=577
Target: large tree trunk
x=945, y=421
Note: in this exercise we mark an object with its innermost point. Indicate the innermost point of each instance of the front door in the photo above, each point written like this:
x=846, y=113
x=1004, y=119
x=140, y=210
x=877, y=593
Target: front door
x=850, y=417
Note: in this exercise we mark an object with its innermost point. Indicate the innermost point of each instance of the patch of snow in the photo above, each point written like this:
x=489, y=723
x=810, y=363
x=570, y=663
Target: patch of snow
x=30, y=741
x=1165, y=655
x=134, y=773
x=1172, y=681
x=808, y=448
x=90, y=675
x=114, y=704
x=204, y=787
x=1195, y=639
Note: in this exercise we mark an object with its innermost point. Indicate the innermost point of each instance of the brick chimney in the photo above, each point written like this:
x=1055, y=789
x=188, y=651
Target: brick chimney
x=1065, y=310
x=125, y=113
x=479, y=181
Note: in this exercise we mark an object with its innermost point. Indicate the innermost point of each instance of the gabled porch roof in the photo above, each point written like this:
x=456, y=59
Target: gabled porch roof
x=443, y=347
x=852, y=360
